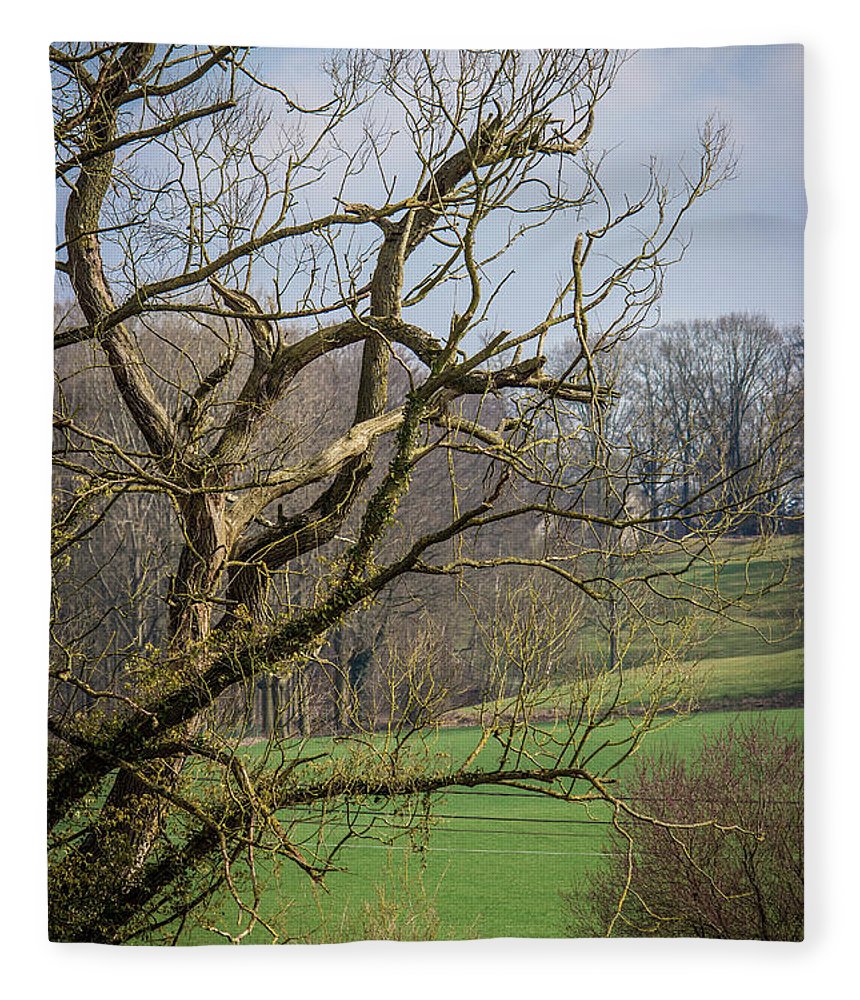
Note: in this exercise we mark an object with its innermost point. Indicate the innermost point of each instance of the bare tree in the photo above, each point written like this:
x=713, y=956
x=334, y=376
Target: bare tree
x=227, y=244
x=717, y=399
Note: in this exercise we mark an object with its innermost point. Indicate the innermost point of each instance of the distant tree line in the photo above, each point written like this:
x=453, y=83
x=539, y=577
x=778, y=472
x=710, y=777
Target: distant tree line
x=718, y=398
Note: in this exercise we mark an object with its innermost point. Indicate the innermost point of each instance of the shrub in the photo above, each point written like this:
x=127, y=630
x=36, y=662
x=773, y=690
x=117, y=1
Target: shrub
x=726, y=858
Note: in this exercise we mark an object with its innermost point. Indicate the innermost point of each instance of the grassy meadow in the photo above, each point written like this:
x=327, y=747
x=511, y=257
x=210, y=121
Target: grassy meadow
x=492, y=861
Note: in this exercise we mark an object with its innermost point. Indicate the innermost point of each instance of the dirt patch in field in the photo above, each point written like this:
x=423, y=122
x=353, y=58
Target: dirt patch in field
x=782, y=699
x=460, y=717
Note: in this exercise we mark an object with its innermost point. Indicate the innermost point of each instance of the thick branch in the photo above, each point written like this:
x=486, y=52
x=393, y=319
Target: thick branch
x=331, y=459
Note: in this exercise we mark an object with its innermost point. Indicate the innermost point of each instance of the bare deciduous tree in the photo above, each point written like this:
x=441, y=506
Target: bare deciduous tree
x=247, y=268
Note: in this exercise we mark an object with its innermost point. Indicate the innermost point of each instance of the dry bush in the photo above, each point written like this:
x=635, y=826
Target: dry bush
x=733, y=868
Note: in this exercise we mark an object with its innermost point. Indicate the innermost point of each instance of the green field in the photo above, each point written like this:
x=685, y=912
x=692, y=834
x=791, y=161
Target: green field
x=750, y=657
x=492, y=864
x=493, y=860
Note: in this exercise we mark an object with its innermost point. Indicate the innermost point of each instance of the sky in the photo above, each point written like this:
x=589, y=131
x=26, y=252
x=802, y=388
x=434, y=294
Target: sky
x=746, y=239
x=746, y=249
